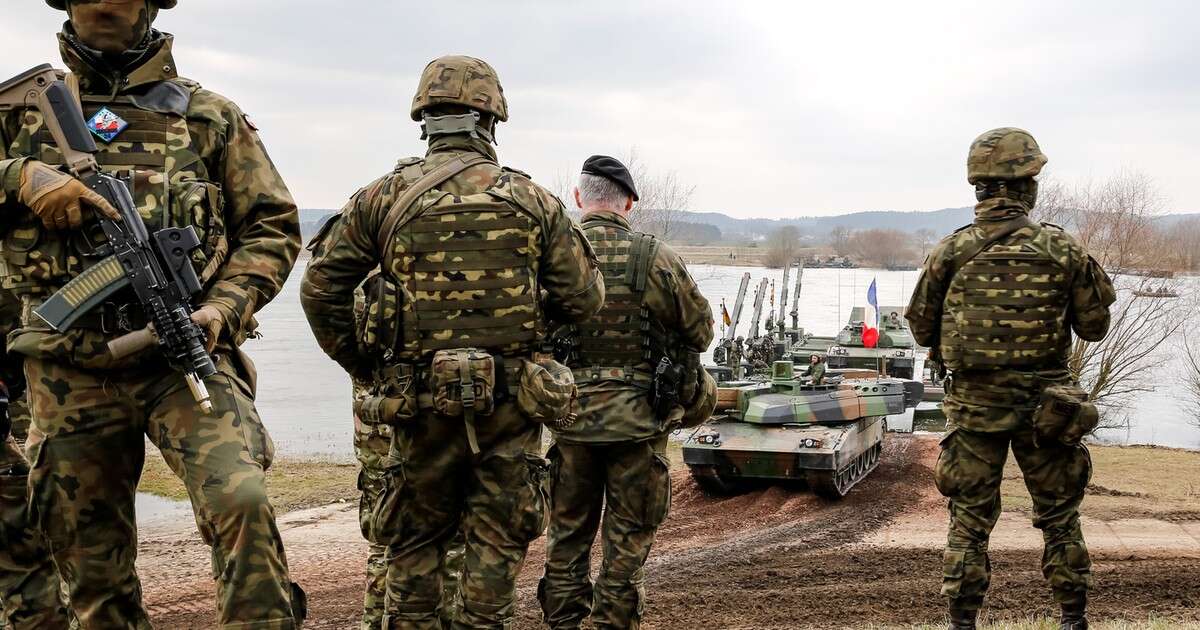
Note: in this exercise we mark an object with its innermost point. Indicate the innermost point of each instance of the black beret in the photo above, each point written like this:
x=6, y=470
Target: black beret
x=611, y=168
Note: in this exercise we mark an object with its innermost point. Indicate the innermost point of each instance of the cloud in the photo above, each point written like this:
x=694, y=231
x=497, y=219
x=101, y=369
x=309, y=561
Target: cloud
x=769, y=108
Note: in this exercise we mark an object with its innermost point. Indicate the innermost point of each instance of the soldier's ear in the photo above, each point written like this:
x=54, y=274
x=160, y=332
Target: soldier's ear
x=578, y=200
x=628, y=204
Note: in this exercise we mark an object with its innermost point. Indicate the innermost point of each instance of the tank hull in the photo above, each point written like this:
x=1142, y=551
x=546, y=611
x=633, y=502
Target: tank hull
x=723, y=453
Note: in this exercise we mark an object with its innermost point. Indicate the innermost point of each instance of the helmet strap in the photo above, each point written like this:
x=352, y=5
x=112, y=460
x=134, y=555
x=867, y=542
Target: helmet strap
x=455, y=124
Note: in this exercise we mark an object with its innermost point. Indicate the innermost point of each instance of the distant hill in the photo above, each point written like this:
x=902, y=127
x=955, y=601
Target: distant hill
x=941, y=221
x=731, y=228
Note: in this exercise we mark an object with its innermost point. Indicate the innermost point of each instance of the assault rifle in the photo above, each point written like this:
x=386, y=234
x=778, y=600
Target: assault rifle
x=156, y=266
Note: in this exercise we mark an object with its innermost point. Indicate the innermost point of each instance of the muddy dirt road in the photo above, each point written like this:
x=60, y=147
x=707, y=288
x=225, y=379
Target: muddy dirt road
x=772, y=558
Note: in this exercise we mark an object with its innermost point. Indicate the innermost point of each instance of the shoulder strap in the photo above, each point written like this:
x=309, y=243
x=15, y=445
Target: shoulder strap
x=641, y=256
x=438, y=176
x=973, y=251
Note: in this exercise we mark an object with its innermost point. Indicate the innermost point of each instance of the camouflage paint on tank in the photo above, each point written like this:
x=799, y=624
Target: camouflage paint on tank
x=784, y=429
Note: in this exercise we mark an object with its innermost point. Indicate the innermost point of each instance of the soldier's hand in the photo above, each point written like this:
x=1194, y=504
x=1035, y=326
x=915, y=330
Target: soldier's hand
x=211, y=321
x=58, y=199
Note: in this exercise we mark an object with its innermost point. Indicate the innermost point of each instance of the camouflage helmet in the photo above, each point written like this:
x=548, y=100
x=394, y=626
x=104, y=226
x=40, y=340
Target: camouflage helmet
x=61, y=5
x=1006, y=153
x=459, y=80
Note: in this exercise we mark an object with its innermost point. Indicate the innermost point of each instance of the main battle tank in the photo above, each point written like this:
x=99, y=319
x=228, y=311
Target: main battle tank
x=828, y=435
x=896, y=346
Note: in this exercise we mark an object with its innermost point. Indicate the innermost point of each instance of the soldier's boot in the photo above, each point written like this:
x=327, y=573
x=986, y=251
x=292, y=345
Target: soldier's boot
x=962, y=619
x=1074, y=616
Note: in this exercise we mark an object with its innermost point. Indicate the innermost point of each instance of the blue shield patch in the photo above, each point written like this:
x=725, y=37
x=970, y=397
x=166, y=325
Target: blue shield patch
x=106, y=125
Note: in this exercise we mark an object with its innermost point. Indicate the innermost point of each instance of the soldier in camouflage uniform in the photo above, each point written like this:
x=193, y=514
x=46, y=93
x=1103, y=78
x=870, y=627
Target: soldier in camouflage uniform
x=30, y=593
x=192, y=158
x=473, y=256
x=609, y=471
x=998, y=300
x=372, y=444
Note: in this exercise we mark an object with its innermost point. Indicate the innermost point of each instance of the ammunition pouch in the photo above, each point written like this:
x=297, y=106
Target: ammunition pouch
x=547, y=392
x=463, y=384
x=1064, y=415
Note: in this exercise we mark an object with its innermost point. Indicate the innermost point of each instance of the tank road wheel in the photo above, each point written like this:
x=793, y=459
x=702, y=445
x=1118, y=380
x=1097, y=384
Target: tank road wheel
x=831, y=485
x=710, y=480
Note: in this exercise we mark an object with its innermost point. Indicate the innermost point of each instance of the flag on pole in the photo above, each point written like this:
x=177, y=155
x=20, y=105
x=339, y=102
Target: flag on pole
x=725, y=315
x=871, y=333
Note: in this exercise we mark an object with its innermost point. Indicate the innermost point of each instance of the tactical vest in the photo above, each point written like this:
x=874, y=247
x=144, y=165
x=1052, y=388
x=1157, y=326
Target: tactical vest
x=156, y=156
x=622, y=335
x=1007, y=309
x=467, y=267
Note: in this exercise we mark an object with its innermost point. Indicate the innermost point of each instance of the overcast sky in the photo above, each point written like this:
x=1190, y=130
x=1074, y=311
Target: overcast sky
x=769, y=108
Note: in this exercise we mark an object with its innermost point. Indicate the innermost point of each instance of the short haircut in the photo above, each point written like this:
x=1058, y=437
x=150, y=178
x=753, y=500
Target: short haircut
x=601, y=191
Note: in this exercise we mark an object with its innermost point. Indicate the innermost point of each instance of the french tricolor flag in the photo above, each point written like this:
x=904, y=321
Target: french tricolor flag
x=871, y=334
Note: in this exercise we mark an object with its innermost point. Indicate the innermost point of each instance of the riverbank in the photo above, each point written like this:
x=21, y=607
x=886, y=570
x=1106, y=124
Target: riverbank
x=292, y=484
x=782, y=558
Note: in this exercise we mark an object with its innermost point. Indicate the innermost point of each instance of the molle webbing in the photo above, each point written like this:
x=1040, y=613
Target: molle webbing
x=1006, y=309
x=469, y=267
x=622, y=334
x=143, y=144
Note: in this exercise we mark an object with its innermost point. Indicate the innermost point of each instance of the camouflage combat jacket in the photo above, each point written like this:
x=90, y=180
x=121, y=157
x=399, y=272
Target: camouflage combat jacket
x=193, y=158
x=612, y=407
x=1009, y=318
x=465, y=274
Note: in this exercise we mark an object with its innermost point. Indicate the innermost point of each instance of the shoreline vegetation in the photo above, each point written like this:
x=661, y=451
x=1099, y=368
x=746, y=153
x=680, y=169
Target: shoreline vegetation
x=1128, y=482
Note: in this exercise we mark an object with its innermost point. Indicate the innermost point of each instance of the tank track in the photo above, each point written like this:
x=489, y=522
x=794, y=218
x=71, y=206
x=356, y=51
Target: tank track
x=831, y=485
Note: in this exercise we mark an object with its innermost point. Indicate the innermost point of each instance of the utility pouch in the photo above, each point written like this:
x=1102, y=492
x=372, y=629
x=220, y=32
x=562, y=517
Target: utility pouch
x=463, y=383
x=393, y=399
x=1064, y=415
x=668, y=383
x=547, y=392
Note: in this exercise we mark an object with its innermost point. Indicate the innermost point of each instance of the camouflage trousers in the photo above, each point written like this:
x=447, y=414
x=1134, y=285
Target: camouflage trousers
x=87, y=451
x=372, y=449
x=623, y=488
x=969, y=472
x=438, y=490
x=30, y=590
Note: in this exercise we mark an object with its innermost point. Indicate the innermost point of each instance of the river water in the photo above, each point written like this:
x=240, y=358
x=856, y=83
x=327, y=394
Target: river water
x=304, y=397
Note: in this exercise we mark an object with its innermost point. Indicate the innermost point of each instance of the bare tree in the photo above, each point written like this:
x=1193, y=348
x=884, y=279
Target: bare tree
x=1116, y=369
x=1191, y=379
x=882, y=248
x=1116, y=220
x=783, y=247
x=839, y=240
x=925, y=239
x=663, y=198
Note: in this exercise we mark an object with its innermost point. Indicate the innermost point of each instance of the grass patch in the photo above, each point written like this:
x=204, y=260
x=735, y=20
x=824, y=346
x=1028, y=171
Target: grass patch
x=1127, y=482
x=291, y=484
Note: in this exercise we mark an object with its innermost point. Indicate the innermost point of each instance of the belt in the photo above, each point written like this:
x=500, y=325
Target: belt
x=595, y=374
